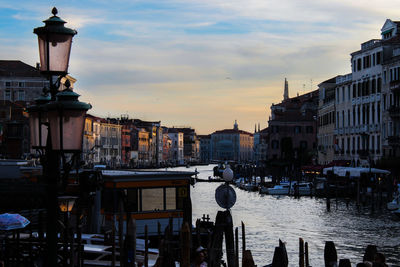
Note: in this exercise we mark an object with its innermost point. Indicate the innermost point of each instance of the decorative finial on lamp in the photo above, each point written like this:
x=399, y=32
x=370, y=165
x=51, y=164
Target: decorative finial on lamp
x=54, y=11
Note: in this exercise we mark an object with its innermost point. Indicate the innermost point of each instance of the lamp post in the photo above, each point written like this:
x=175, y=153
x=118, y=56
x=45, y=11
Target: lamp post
x=59, y=120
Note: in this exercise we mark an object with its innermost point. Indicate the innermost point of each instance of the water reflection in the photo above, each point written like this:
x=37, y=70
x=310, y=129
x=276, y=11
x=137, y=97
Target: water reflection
x=270, y=218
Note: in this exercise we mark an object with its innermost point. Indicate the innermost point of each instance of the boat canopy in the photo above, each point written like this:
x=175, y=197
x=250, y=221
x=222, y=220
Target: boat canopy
x=353, y=171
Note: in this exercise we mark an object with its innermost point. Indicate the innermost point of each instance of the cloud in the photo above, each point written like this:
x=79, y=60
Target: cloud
x=169, y=60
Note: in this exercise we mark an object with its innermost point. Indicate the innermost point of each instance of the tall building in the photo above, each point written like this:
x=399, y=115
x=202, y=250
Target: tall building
x=260, y=146
x=155, y=139
x=177, y=146
x=110, y=144
x=292, y=130
x=390, y=99
x=232, y=144
x=363, y=126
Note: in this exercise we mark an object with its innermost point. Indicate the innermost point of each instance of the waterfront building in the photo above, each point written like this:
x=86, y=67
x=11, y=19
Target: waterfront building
x=88, y=141
x=344, y=131
x=260, y=145
x=20, y=81
x=110, y=143
x=14, y=130
x=232, y=144
x=177, y=146
x=205, y=148
x=20, y=85
x=191, y=144
x=326, y=121
x=292, y=130
x=391, y=99
x=143, y=147
x=167, y=148
x=360, y=107
x=155, y=140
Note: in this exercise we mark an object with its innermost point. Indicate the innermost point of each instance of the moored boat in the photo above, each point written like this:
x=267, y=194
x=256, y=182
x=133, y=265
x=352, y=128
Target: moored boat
x=281, y=189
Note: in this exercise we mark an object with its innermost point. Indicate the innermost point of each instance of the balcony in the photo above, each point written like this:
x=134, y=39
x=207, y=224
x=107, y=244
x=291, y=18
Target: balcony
x=363, y=153
x=394, y=112
x=394, y=85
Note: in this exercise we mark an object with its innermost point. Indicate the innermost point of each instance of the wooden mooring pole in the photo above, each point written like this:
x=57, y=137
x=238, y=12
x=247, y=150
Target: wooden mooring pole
x=306, y=254
x=243, y=241
x=237, y=247
x=330, y=254
x=301, y=252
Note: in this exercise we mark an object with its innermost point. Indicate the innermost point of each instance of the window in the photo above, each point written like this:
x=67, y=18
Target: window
x=378, y=109
x=348, y=92
x=21, y=95
x=379, y=85
x=373, y=86
x=348, y=117
x=151, y=199
x=354, y=66
x=309, y=129
x=342, y=118
x=7, y=95
x=378, y=58
x=343, y=94
x=21, y=84
x=373, y=112
x=354, y=90
x=337, y=95
x=297, y=129
x=8, y=84
x=303, y=144
x=359, y=64
x=337, y=119
x=170, y=198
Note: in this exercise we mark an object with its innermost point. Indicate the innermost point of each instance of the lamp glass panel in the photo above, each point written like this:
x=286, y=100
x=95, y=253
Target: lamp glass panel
x=59, y=46
x=34, y=129
x=72, y=132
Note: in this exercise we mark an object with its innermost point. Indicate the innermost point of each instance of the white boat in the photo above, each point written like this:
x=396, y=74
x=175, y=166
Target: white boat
x=281, y=189
x=304, y=189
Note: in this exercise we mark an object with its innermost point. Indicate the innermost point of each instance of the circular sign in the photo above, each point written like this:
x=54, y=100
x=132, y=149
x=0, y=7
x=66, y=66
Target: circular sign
x=225, y=196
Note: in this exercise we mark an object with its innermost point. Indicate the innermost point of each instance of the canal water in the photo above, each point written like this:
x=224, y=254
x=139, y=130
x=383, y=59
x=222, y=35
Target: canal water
x=270, y=218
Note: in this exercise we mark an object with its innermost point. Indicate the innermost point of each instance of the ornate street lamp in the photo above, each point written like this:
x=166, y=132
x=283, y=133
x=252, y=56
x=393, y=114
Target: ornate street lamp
x=37, y=122
x=59, y=120
x=55, y=42
x=66, y=203
x=67, y=118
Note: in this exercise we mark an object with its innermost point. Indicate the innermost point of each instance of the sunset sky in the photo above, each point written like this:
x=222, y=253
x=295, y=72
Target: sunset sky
x=204, y=63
